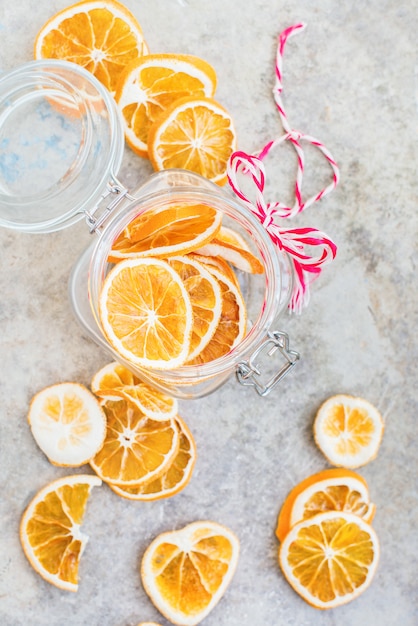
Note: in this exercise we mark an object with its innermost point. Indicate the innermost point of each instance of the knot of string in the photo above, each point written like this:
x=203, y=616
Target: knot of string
x=307, y=264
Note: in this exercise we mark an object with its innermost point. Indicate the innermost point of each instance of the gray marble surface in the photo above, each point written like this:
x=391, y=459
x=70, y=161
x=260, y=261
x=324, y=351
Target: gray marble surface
x=350, y=80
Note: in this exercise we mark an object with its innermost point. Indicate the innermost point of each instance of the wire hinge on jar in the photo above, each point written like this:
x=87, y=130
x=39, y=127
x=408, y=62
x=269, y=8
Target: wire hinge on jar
x=119, y=193
x=247, y=371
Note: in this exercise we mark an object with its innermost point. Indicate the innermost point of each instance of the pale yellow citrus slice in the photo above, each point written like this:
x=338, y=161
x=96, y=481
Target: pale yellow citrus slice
x=335, y=489
x=68, y=423
x=136, y=448
x=151, y=84
x=50, y=529
x=174, y=479
x=232, y=325
x=146, y=313
x=169, y=231
x=115, y=381
x=100, y=35
x=195, y=134
x=330, y=559
x=348, y=430
x=186, y=572
x=206, y=299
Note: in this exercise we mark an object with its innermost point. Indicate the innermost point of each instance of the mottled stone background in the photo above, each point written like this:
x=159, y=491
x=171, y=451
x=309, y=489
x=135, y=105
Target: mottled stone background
x=350, y=80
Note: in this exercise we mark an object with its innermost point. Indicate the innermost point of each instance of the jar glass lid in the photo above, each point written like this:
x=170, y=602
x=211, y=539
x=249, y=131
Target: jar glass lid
x=61, y=141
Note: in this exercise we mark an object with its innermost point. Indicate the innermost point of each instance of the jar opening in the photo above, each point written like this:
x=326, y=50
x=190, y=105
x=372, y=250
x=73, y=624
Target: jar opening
x=61, y=140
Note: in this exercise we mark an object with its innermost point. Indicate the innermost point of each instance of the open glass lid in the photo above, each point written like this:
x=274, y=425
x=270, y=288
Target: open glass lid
x=61, y=143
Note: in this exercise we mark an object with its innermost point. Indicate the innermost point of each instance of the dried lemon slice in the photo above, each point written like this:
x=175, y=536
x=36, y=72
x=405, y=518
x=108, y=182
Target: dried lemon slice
x=68, y=423
x=348, y=431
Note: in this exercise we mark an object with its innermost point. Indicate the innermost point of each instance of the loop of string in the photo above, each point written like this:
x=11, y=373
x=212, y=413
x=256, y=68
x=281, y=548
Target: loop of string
x=307, y=265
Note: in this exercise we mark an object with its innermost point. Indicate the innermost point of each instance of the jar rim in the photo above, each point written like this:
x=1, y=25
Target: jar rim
x=74, y=96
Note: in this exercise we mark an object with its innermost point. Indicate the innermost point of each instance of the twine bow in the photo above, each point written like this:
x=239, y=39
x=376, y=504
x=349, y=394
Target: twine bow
x=308, y=248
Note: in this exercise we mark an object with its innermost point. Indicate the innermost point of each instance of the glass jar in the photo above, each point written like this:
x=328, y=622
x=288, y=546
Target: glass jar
x=62, y=147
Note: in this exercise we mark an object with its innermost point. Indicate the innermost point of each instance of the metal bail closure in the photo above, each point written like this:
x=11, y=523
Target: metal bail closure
x=98, y=215
x=247, y=371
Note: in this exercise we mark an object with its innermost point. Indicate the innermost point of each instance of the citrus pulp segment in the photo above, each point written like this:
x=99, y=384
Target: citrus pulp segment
x=67, y=423
x=174, y=479
x=146, y=313
x=100, y=35
x=136, y=448
x=185, y=572
x=335, y=489
x=50, y=529
x=151, y=84
x=206, y=299
x=171, y=230
x=330, y=559
x=195, y=134
x=348, y=430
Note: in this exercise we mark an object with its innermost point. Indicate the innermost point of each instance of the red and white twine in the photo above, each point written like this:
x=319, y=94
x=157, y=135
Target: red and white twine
x=307, y=265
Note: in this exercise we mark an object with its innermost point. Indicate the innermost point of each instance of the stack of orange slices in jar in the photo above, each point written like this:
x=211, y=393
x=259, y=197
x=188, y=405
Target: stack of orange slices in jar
x=172, y=297
x=166, y=100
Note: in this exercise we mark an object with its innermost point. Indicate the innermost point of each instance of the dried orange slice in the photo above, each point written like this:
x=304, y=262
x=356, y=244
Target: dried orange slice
x=333, y=489
x=115, y=381
x=185, y=572
x=111, y=377
x=152, y=83
x=50, y=529
x=206, y=299
x=230, y=235
x=174, y=229
x=136, y=448
x=242, y=259
x=176, y=476
x=68, y=423
x=348, y=430
x=232, y=325
x=195, y=134
x=148, y=624
x=100, y=35
x=330, y=559
x=146, y=313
